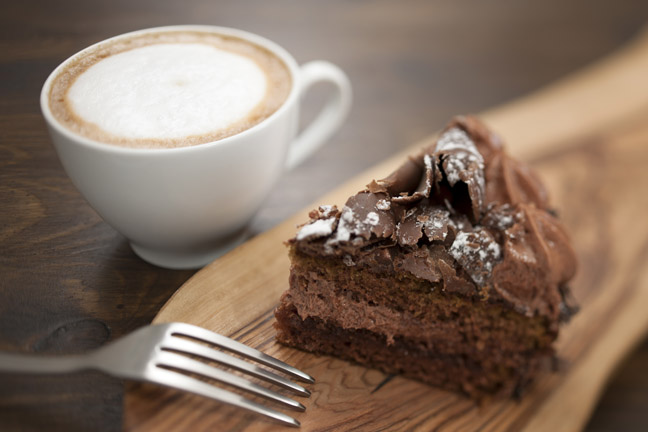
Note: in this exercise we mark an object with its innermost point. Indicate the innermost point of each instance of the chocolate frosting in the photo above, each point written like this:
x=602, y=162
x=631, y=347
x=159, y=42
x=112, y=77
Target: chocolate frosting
x=463, y=215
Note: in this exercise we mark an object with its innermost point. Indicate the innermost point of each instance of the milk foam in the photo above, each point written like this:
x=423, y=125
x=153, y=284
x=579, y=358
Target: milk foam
x=168, y=91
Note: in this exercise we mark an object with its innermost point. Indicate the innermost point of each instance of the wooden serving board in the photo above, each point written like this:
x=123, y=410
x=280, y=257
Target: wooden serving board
x=588, y=137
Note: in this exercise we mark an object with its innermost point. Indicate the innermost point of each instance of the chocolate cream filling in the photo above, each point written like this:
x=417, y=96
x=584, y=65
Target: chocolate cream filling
x=431, y=323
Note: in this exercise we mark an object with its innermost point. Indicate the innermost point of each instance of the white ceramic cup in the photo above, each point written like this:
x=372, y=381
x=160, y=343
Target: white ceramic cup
x=183, y=207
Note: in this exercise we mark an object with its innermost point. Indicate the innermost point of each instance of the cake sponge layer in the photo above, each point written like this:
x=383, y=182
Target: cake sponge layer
x=496, y=374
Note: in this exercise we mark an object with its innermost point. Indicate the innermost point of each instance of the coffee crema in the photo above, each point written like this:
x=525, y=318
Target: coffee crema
x=169, y=89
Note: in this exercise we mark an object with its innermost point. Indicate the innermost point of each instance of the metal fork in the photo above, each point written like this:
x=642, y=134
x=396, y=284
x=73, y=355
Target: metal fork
x=153, y=354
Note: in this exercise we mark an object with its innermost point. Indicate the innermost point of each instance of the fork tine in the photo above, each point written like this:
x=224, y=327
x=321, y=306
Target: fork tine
x=179, y=381
x=194, y=348
x=186, y=364
x=205, y=335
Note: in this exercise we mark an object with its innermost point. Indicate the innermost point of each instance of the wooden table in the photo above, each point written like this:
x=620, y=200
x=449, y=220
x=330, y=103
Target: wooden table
x=68, y=282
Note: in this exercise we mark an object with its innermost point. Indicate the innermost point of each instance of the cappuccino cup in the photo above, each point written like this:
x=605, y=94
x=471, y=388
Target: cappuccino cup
x=175, y=135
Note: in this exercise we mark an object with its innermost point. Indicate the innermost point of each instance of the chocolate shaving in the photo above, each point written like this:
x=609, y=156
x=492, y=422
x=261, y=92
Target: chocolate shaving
x=433, y=221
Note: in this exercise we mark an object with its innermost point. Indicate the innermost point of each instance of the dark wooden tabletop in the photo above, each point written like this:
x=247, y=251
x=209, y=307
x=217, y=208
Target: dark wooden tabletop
x=69, y=282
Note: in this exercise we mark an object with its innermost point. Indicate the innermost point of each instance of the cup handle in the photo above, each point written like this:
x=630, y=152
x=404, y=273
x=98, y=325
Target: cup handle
x=331, y=116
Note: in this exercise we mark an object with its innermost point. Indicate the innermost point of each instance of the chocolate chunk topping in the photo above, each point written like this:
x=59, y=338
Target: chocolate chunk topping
x=477, y=252
x=461, y=211
x=365, y=216
x=425, y=221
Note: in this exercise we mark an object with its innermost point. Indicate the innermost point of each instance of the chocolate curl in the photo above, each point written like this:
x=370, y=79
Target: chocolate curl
x=463, y=168
x=402, y=181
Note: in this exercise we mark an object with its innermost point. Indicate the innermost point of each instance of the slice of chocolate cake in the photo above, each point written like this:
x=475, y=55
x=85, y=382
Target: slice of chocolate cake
x=451, y=271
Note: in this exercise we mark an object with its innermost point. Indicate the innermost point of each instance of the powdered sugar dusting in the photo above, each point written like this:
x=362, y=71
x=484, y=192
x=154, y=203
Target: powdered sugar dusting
x=326, y=210
x=372, y=218
x=427, y=160
x=345, y=226
x=455, y=139
x=506, y=220
x=316, y=229
x=463, y=155
x=435, y=224
x=383, y=204
x=502, y=218
x=462, y=162
x=477, y=252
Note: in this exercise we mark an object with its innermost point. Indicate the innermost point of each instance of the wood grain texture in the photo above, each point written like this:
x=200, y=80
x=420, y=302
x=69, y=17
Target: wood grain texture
x=594, y=167
x=69, y=283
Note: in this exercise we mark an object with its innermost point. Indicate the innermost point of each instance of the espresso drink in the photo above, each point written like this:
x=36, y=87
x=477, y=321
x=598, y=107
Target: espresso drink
x=169, y=89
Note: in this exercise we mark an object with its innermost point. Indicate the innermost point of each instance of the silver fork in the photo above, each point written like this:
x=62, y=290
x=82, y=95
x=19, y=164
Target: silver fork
x=153, y=354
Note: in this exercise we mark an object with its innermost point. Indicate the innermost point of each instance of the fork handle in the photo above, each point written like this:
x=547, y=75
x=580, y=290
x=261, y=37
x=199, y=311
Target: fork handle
x=42, y=365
